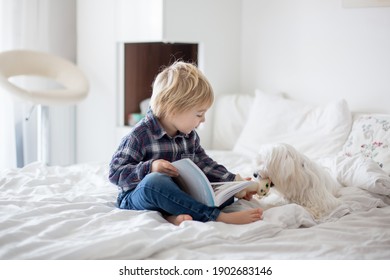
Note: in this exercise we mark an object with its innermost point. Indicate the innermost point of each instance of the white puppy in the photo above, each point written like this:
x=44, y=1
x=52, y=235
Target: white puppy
x=299, y=179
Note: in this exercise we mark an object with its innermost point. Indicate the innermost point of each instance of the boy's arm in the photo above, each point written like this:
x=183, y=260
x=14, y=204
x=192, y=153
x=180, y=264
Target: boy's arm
x=127, y=168
x=214, y=171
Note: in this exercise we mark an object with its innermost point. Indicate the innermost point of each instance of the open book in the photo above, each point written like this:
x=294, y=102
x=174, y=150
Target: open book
x=193, y=181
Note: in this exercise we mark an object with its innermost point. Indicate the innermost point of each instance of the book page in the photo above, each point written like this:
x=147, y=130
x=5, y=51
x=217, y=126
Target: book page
x=193, y=181
x=225, y=190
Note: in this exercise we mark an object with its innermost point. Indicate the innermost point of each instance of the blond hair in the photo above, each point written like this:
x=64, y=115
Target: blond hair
x=179, y=87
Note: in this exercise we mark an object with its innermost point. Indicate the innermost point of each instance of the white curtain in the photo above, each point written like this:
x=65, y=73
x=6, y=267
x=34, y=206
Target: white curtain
x=44, y=25
x=7, y=133
x=8, y=151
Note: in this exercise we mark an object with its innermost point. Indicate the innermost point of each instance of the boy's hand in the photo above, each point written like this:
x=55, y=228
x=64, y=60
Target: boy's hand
x=239, y=178
x=164, y=166
x=245, y=194
x=249, y=195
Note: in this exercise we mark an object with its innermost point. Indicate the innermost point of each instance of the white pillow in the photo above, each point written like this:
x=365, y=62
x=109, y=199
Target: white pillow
x=230, y=113
x=314, y=130
x=370, y=136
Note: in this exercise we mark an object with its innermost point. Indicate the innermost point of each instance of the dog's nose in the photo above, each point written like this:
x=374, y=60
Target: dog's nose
x=255, y=174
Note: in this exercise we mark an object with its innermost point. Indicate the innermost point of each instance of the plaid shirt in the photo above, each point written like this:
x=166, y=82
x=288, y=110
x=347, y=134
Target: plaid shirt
x=148, y=141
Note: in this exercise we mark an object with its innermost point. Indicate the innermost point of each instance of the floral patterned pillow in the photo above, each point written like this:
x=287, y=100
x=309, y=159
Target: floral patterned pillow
x=370, y=136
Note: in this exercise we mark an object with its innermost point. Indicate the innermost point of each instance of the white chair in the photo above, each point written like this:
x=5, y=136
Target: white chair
x=73, y=86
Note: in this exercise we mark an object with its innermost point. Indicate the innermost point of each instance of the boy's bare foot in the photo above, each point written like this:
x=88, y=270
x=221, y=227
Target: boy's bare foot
x=242, y=217
x=177, y=220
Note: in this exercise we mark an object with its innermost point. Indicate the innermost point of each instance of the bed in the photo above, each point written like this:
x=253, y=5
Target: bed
x=54, y=212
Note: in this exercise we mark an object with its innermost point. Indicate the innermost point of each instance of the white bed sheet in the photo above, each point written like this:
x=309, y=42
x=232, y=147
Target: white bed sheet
x=70, y=213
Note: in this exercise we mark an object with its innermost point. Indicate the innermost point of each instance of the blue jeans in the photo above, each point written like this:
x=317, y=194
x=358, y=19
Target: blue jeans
x=159, y=192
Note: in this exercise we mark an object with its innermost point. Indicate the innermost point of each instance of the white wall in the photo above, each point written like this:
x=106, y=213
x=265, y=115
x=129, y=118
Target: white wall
x=216, y=25
x=96, y=55
x=316, y=50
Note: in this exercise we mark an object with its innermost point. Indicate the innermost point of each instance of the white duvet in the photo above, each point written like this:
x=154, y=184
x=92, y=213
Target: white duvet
x=70, y=213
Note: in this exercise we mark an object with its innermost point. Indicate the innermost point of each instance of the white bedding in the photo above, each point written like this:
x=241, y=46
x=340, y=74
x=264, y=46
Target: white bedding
x=70, y=213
